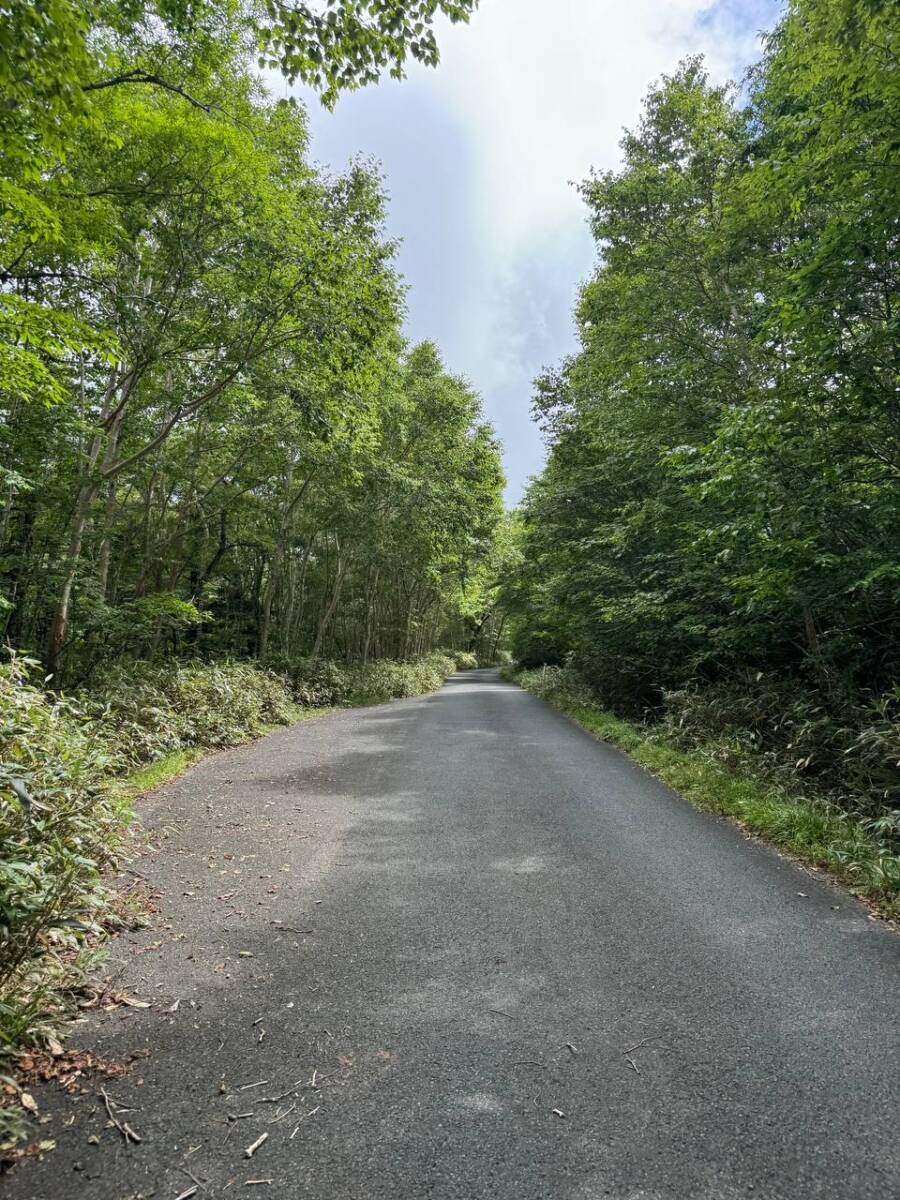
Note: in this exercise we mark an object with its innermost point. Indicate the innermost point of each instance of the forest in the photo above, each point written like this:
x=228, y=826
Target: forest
x=714, y=544
x=215, y=439
x=232, y=492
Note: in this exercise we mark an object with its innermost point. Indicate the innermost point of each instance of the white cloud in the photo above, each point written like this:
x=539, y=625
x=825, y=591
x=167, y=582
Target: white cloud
x=544, y=88
x=481, y=155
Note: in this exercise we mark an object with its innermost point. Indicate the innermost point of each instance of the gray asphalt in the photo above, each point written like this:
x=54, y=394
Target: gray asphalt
x=492, y=958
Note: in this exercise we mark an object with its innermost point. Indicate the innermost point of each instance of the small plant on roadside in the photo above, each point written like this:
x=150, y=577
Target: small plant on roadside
x=59, y=829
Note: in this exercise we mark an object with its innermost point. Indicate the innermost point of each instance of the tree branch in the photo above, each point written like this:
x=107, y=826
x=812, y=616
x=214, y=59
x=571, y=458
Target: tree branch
x=138, y=76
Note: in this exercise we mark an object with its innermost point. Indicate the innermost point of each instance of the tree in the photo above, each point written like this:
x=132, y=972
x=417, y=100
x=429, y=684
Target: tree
x=256, y=464
x=720, y=497
x=59, y=60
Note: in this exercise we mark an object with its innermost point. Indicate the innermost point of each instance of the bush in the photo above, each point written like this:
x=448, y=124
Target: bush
x=384, y=680
x=463, y=659
x=316, y=682
x=847, y=749
x=560, y=685
x=58, y=829
x=145, y=710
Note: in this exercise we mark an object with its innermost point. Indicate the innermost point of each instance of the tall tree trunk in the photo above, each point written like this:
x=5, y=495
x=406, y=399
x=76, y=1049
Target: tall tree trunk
x=371, y=607
x=295, y=629
x=325, y=622
x=101, y=454
x=275, y=567
x=59, y=627
x=265, y=609
x=109, y=513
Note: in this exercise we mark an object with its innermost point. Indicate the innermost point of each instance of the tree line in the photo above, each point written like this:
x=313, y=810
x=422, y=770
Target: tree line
x=719, y=507
x=214, y=437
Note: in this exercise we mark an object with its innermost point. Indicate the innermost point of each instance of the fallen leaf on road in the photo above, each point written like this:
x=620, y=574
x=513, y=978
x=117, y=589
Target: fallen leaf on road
x=11, y=1156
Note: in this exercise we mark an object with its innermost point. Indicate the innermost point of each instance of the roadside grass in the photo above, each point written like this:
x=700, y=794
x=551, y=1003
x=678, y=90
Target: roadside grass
x=154, y=774
x=814, y=832
x=171, y=766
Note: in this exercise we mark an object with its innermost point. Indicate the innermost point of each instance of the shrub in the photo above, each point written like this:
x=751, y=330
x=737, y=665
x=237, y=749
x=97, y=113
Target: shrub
x=145, y=710
x=561, y=685
x=462, y=660
x=316, y=682
x=848, y=749
x=59, y=828
x=385, y=679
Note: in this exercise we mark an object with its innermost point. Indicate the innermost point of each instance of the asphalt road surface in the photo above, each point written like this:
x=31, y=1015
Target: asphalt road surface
x=455, y=948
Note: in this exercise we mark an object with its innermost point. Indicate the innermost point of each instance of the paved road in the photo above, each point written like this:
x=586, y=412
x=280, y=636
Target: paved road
x=518, y=966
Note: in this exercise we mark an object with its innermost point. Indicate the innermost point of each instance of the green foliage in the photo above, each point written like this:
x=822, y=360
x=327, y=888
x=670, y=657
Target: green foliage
x=146, y=710
x=320, y=683
x=316, y=683
x=849, y=751
x=350, y=44
x=381, y=681
x=720, y=498
x=246, y=459
x=463, y=660
x=60, y=64
x=58, y=830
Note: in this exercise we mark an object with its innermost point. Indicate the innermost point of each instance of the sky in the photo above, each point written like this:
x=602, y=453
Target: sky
x=480, y=158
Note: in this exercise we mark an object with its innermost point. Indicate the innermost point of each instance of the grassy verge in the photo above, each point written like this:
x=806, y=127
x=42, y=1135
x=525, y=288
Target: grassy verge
x=145, y=779
x=170, y=766
x=815, y=833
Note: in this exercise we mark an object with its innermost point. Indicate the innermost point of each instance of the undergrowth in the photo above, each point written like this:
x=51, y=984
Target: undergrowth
x=858, y=847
